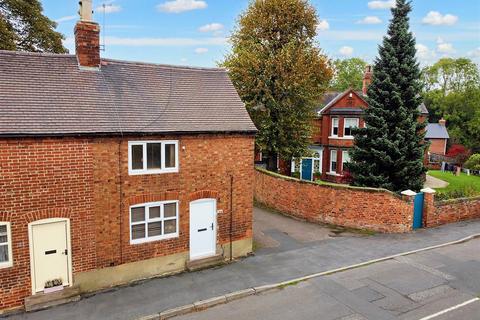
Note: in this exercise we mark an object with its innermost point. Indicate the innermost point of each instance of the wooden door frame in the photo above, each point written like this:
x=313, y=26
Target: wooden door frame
x=69, y=248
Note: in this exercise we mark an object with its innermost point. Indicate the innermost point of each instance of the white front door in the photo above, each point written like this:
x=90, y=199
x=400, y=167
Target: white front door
x=203, y=226
x=49, y=245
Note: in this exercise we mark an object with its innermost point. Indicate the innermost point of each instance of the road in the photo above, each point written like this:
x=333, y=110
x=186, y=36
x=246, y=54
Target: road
x=438, y=284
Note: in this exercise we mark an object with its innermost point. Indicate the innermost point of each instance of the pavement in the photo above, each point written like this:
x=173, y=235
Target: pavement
x=433, y=284
x=292, y=255
x=434, y=183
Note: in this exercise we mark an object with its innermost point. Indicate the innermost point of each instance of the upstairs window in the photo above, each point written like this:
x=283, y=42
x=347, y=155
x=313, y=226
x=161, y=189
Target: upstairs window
x=145, y=157
x=333, y=161
x=334, y=127
x=6, y=259
x=349, y=124
x=153, y=221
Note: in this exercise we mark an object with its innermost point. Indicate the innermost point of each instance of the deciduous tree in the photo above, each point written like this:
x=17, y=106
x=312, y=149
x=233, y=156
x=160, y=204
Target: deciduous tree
x=348, y=73
x=279, y=72
x=23, y=27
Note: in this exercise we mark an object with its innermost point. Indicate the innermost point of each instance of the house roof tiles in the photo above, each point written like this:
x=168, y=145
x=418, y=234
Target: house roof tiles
x=45, y=94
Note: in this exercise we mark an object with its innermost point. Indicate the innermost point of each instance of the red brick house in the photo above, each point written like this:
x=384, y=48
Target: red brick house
x=333, y=139
x=112, y=171
x=437, y=135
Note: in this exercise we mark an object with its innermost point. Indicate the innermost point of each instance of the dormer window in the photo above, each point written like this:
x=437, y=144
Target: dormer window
x=149, y=157
x=334, y=127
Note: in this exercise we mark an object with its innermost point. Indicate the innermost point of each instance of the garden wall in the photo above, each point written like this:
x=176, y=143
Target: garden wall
x=374, y=209
x=442, y=212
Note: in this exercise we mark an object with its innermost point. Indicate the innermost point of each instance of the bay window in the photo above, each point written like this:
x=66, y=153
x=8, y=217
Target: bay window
x=349, y=123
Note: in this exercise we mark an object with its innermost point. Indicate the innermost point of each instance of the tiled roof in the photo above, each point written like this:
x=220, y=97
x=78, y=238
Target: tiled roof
x=45, y=94
x=332, y=97
x=436, y=131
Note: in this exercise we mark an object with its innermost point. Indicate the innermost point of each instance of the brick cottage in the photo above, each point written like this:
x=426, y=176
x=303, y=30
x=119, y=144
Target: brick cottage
x=112, y=171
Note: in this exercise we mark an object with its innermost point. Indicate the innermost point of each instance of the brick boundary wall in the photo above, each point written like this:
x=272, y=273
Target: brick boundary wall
x=366, y=208
x=436, y=213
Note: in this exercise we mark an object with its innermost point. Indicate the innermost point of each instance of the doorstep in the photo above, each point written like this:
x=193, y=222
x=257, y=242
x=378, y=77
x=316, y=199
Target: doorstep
x=45, y=300
x=194, y=265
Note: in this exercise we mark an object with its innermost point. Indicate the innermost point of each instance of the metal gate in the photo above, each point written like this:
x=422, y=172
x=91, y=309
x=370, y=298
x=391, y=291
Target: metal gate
x=418, y=210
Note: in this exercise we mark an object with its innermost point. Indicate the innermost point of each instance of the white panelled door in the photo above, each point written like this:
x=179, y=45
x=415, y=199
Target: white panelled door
x=203, y=226
x=49, y=245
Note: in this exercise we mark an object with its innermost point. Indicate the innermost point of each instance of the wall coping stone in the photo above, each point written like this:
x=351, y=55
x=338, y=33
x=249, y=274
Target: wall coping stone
x=457, y=200
x=328, y=184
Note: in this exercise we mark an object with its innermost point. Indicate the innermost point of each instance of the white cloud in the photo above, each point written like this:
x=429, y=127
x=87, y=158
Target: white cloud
x=160, y=42
x=435, y=18
x=177, y=6
x=201, y=50
x=379, y=4
x=109, y=8
x=323, y=25
x=444, y=47
x=424, y=53
x=475, y=53
x=346, y=51
x=67, y=18
x=370, y=20
x=211, y=27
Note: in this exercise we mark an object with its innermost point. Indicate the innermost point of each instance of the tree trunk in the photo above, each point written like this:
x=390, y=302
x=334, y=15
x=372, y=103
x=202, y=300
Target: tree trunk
x=272, y=162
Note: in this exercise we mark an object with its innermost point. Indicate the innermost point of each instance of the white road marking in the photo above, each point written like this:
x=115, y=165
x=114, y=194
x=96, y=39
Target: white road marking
x=450, y=309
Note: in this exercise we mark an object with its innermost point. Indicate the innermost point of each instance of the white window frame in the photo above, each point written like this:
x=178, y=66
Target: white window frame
x=333, y=126
x=336, y=161
x=147, y=220
x=343, y=157
x=357, y=120
x=132, y=171
x=9, y=263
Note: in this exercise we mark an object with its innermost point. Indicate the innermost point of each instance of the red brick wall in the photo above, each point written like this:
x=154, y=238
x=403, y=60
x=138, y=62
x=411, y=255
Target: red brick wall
x=437, y=146
x=79, y=179
x=443, y=212
x=42, y=179
x=373, y=209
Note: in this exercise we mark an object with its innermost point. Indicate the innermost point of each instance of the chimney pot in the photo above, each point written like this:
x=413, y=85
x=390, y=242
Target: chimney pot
x=442, y=122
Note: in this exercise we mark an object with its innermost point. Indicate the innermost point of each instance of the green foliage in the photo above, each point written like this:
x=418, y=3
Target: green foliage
x=453, y=92
x=473, y=162
x=388, y=152
x=461, y=186
x=23, y=27
x=279, y=72
x=348, y=73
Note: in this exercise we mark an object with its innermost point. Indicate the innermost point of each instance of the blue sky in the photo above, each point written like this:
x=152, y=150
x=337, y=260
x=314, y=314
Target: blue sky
x=195, y=32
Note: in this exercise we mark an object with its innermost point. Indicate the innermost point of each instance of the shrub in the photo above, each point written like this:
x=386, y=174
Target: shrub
x=465, y=191
x=473, y=162
x=296, y=175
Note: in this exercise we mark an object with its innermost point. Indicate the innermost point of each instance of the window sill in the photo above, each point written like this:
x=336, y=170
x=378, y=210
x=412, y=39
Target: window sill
x=146, y=172
x=153, y=239
x=333, y=174
x=341, y=138
x=5, y=265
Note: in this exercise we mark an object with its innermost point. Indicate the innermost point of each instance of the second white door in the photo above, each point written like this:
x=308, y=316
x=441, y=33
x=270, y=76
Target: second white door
x=203, y=226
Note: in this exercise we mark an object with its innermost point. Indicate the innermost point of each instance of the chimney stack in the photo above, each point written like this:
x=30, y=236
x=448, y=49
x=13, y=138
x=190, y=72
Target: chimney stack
x=367, y=79
x=442, y=122
x=87, y=37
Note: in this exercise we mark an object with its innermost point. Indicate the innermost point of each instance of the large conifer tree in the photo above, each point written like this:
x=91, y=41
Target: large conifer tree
x=389, y=152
